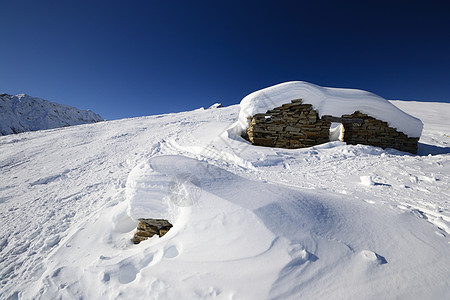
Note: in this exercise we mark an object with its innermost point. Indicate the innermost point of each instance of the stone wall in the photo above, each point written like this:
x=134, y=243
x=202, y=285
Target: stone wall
x=376, y=133
x=292, y=125
x=297, y=125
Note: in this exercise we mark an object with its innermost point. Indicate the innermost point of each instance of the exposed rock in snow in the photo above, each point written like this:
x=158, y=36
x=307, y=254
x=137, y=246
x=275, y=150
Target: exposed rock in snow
x=328, y=101
x=22, y=113
x=150, y=227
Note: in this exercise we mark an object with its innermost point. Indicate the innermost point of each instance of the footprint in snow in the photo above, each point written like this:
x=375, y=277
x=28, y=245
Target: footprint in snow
x=439, y=233
x=171, y=252
x=208, y=292
x=373, y=257
x=126, y=273
x=126, y=270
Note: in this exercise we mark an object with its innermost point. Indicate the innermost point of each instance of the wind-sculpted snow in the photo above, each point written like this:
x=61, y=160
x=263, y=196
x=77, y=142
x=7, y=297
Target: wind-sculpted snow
x=334, y=221
x=328, y=101
x=22, y=113
x=312, y=225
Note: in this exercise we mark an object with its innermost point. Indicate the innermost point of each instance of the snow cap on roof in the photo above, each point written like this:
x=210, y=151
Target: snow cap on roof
x=328, y=101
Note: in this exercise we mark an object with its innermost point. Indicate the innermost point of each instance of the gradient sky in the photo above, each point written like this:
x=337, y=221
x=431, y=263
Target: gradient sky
x=143, y=57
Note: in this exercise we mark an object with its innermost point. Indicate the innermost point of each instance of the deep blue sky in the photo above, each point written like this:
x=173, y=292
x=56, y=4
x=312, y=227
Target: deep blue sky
x=142, y=57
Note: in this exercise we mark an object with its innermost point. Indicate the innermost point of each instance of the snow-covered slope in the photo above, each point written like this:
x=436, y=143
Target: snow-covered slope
x=22, y=113
x=334, y=221
x=328, y=101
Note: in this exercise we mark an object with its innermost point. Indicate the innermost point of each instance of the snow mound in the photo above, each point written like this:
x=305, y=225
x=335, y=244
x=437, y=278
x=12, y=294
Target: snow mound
x=23, y=113
x=238, y=222
x=216, y=105
x=328, y=101
x=157, y=187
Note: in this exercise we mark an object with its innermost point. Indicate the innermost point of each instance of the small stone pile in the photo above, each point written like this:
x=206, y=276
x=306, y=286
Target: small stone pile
x=376, y=133
x=149, y=227
x=292, y=125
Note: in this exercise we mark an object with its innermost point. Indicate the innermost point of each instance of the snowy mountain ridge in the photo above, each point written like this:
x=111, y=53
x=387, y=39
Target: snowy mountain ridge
x=21, y=113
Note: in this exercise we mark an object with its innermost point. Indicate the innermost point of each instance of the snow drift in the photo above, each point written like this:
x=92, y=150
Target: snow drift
x=22, y=113
x=328, y=101
x=334, y=221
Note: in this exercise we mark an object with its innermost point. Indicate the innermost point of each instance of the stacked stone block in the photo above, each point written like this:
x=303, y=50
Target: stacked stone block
x=297, y=125
x=292, y=125
x=376, y=133
x=150, y=227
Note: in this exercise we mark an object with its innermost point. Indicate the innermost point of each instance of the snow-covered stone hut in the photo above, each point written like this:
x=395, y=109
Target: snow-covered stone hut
x=298, y=114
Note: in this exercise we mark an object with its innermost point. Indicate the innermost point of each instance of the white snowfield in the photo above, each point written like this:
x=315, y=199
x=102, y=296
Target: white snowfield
x=21, y=113
x=328, y=101
x=334, y=221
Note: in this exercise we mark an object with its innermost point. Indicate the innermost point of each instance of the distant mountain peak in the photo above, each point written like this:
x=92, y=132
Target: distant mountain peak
x=21, y=113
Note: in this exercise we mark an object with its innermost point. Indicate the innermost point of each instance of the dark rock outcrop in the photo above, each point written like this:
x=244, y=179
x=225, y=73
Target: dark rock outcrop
x=150, y=227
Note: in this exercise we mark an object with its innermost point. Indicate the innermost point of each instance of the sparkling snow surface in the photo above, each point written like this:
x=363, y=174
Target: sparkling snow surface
x=330, y=222
x=328, y=101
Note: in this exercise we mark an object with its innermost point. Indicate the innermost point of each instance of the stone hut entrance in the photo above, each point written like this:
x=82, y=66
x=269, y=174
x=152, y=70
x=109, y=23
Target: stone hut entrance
x=336, y=132
x=298, y=125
